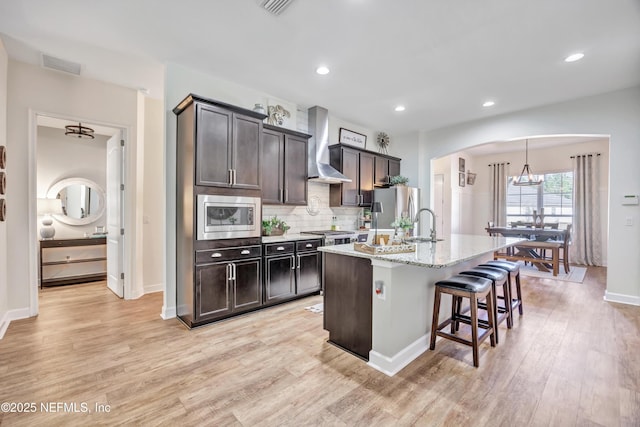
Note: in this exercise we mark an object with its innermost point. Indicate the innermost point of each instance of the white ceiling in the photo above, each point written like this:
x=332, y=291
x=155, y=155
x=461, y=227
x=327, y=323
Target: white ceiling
x=441, y=59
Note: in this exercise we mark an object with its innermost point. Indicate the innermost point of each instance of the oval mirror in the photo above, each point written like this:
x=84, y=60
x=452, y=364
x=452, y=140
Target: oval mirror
x=82, y=200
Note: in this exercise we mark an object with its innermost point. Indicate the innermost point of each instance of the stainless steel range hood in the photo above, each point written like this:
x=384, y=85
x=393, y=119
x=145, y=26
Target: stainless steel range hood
x=319, y=168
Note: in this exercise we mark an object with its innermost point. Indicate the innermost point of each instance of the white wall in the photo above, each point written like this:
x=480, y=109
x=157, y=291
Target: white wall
x=153, y=198
x=4, y=306
x=33, y=89
x=472, y=202
x=615, y=114
x=406, y=147
x=60, y=157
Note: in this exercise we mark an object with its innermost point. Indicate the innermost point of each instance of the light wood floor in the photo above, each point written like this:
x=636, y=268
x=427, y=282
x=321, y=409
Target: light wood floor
x=572, y=359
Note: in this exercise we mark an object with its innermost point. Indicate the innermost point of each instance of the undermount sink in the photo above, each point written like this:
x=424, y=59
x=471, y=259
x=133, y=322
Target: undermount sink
x=421, y=239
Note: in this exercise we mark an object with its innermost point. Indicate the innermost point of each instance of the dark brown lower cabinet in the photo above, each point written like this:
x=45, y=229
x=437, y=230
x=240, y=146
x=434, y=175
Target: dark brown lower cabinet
x=291, y=269
x=348, y=297
x=227, y=288
x=308, y=272
x=279, y=278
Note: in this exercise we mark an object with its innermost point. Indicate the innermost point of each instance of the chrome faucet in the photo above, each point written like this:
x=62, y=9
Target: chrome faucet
x=433, y=223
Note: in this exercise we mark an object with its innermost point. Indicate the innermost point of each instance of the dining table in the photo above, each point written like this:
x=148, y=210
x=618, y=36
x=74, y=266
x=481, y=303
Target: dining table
x=531, y=233
x=539, y=239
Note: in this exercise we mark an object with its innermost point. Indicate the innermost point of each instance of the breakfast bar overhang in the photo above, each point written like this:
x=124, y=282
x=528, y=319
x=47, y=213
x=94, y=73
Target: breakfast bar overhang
x=379, y=307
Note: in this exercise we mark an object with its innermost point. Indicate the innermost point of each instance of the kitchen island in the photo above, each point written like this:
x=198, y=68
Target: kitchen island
x=379, y=307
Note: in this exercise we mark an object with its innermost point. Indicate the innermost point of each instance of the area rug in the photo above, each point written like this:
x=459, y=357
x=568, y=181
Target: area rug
x=575, y=275
x=318, y=308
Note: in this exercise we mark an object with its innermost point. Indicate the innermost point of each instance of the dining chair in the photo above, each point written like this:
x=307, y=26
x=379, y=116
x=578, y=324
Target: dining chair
x=566, y=242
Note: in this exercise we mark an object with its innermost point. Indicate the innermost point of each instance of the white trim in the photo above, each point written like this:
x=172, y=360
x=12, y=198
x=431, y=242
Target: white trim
x=621, y=298
x=385, y=264
x=392, y=365
x=4, y=324
x=17, y=314
x=149, y=289
x=168, y=312
x=131, y=243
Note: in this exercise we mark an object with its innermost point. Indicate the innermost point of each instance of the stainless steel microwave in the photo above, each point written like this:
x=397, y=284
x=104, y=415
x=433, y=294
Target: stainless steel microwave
x=228, y=217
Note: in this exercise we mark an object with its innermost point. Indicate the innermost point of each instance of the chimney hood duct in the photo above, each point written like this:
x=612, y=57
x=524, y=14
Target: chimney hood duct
x=318, y=167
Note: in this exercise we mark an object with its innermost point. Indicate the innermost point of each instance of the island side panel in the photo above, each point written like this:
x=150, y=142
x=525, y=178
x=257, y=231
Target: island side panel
x=347, y=302
x=401, y=316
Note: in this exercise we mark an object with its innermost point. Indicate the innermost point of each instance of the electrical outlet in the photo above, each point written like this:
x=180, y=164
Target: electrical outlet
x=379, y=289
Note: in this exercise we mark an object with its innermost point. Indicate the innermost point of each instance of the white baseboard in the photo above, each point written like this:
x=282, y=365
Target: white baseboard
x=17, y=314
x=392, y=365
x=149, y=289
x=168, y=312
x=621, y=298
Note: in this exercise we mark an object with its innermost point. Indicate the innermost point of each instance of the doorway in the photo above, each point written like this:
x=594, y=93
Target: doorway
x=85, y=176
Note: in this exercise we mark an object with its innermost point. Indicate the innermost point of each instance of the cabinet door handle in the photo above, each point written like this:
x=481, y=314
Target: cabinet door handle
x=293, y=263
x=216, y=255
x=308, y=245
x=235, y=177
x=229, y=278
x=298, y=267
x=232, y=271
x=230, y=176
x=280, y=248
x=245, y=252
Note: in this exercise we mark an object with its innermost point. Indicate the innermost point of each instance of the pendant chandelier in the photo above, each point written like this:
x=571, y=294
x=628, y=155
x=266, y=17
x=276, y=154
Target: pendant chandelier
x=526, y=176
x=79, y=131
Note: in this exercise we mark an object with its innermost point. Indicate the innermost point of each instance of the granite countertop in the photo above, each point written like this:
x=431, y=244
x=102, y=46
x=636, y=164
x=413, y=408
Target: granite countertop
x=289, y=238
x=453, y=250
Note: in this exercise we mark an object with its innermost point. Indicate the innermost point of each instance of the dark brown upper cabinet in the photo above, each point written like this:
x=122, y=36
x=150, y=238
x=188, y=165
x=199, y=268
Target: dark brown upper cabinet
x=385, y=168
x=284, y=174
x=227, y=143
x=363, y=168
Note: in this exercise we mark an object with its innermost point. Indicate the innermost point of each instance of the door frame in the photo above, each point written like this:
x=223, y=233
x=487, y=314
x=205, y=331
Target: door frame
x=130, y=244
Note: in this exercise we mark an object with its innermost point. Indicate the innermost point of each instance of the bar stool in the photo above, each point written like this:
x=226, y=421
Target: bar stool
x=475, y=289
x=513, y=268
x=498, y=278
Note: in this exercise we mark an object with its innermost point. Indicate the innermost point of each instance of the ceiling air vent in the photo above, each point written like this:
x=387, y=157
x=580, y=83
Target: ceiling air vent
x=275, y=6
x=58, y=64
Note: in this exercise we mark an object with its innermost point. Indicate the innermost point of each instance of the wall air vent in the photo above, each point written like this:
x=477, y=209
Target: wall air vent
x=275, y=6
x=58, y=64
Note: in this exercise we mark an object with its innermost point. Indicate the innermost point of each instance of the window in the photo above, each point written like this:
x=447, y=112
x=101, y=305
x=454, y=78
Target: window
x=555, y=195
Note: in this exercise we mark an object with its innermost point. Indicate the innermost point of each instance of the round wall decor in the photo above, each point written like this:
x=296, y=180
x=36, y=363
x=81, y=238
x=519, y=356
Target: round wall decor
x=3, y=210
x=3, y=157
x=3, y=182
x=383, y=142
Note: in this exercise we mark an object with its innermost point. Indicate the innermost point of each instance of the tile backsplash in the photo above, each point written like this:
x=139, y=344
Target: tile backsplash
x=300, y=219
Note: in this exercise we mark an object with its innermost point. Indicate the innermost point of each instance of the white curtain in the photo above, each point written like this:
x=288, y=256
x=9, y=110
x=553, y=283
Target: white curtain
x=498, y=194
x=587, y=238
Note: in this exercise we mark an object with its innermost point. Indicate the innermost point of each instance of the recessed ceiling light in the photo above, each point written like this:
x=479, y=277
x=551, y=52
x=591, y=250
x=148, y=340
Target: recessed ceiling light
x=322, y=70
x=489, y=104
x=574, y=57
x=400, y=108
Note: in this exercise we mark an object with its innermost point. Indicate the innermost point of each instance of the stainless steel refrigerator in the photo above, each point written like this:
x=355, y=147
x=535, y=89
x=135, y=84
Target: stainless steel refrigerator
x=396, y=202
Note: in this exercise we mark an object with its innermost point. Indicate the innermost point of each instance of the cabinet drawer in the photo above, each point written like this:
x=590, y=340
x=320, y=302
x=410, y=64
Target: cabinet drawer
x=60, y=271
x=75, y=253
x=279, y=248
x=308, y=245
x=228, y=254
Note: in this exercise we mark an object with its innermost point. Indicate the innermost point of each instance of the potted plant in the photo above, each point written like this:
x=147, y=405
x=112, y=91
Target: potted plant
x=274, y=227
x=398, y=180
x=403, y=225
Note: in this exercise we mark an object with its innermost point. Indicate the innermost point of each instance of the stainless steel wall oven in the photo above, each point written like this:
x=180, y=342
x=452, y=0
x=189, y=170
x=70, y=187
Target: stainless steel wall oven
x=228, y=217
